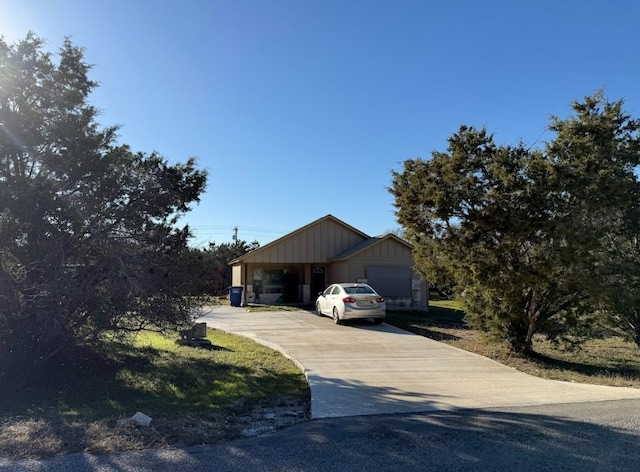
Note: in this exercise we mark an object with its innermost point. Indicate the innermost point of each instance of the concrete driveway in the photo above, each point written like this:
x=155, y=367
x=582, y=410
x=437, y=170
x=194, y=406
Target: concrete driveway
x=365, y=369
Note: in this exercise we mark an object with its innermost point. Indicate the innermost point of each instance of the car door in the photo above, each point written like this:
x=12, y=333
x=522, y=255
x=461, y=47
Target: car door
x=333, y=298
x=323, y=300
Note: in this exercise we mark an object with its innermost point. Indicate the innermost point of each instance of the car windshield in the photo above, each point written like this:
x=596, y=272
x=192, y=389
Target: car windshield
x=358, y=289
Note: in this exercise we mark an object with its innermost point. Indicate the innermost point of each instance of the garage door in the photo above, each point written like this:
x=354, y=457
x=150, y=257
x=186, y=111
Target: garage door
x=389, y=280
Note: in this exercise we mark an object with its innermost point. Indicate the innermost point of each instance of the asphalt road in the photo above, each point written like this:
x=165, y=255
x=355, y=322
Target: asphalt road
x=598, y=436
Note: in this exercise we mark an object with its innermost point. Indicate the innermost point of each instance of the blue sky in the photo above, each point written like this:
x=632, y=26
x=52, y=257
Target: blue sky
x=302, y=108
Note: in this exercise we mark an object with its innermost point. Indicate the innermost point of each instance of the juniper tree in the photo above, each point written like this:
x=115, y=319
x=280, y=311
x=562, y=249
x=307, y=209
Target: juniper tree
x=89, y=240
x=523, y=232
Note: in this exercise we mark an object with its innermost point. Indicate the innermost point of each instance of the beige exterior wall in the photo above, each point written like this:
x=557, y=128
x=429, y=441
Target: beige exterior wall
x=236, y=275
x=338, y=272
x=388, y=252
x=316, y=243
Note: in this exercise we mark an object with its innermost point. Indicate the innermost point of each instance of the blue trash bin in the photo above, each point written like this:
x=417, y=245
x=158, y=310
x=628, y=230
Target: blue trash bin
x=235, y=296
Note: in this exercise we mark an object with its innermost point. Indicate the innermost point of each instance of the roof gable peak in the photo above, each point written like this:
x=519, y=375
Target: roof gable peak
x=300, y=230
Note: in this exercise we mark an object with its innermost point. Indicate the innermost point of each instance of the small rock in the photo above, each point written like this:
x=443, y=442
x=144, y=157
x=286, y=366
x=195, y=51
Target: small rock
x=141, y=419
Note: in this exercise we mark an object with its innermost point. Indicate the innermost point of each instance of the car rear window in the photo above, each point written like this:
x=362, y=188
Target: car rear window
x=353, y=290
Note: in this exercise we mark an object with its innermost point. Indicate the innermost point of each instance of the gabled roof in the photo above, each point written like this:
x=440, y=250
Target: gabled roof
x=298, y=231
x=358, y=248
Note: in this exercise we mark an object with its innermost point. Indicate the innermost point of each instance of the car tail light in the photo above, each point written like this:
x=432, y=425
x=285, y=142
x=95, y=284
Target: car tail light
x=380, y=300
x=349, y=300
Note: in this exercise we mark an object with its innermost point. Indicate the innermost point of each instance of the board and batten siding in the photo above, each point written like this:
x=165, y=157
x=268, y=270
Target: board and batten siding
x=313, y=244
x=339, y=272
x=386, y=253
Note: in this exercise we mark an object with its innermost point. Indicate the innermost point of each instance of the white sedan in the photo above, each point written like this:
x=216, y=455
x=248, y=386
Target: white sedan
x=349, y=301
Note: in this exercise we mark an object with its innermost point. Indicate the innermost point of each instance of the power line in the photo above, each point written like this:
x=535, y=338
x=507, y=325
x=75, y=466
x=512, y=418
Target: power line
x=205, y=234
x=253, y=229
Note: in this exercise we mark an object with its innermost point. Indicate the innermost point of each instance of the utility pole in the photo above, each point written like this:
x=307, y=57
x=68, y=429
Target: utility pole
x=235, y=234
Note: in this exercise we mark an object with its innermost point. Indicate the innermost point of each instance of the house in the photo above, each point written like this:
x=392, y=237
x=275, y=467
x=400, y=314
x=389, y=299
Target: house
x=296, y=267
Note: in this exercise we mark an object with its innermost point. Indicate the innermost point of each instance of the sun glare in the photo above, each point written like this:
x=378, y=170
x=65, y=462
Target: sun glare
x=15, y=20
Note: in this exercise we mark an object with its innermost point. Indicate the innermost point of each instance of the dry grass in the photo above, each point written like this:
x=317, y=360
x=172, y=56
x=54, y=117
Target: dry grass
x=194, y=396
x=237, y=390
x=37, y=438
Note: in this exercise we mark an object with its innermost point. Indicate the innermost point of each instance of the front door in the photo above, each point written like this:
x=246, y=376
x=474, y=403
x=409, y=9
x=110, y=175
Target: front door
x=290, y=287
x=318, y=281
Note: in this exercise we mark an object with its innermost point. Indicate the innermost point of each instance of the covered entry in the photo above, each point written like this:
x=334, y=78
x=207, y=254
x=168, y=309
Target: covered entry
x=296, y=267
x=318, y=280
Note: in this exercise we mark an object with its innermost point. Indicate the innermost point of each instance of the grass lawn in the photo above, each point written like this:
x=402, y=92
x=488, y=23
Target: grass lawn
x=237, y=389
x=195, y=396
x=609, y=361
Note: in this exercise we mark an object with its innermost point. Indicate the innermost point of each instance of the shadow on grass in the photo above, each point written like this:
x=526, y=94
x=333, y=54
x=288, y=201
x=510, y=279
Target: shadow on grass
x=445, y=324
x=126, y=378
x=427, y=324
x=618, y=368
x=62, y=404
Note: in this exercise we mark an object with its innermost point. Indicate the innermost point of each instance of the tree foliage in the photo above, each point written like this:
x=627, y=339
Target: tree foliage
x=88, y=236
x=523, y=232
x=621, y=306
x=212, y=272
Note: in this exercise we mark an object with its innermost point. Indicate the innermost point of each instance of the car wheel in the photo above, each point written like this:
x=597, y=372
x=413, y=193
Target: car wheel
x=336, y=317
x=318, y=311
x=378, y=320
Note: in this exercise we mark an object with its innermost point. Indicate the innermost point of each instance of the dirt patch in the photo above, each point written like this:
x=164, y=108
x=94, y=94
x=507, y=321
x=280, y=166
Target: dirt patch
x=27, y=438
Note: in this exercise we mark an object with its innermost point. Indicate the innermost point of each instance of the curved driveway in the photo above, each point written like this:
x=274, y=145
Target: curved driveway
x=365, y=369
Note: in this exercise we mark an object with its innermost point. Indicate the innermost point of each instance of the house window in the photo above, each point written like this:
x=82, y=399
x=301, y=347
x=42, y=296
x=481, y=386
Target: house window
x=269, y=280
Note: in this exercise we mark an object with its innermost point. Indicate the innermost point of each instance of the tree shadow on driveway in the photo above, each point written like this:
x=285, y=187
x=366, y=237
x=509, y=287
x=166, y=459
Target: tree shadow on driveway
x=332, y=398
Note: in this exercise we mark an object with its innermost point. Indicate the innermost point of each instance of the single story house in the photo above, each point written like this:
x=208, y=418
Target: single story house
x=296, y=267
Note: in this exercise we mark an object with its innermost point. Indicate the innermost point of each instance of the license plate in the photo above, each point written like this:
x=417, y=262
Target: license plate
x=365, y=302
